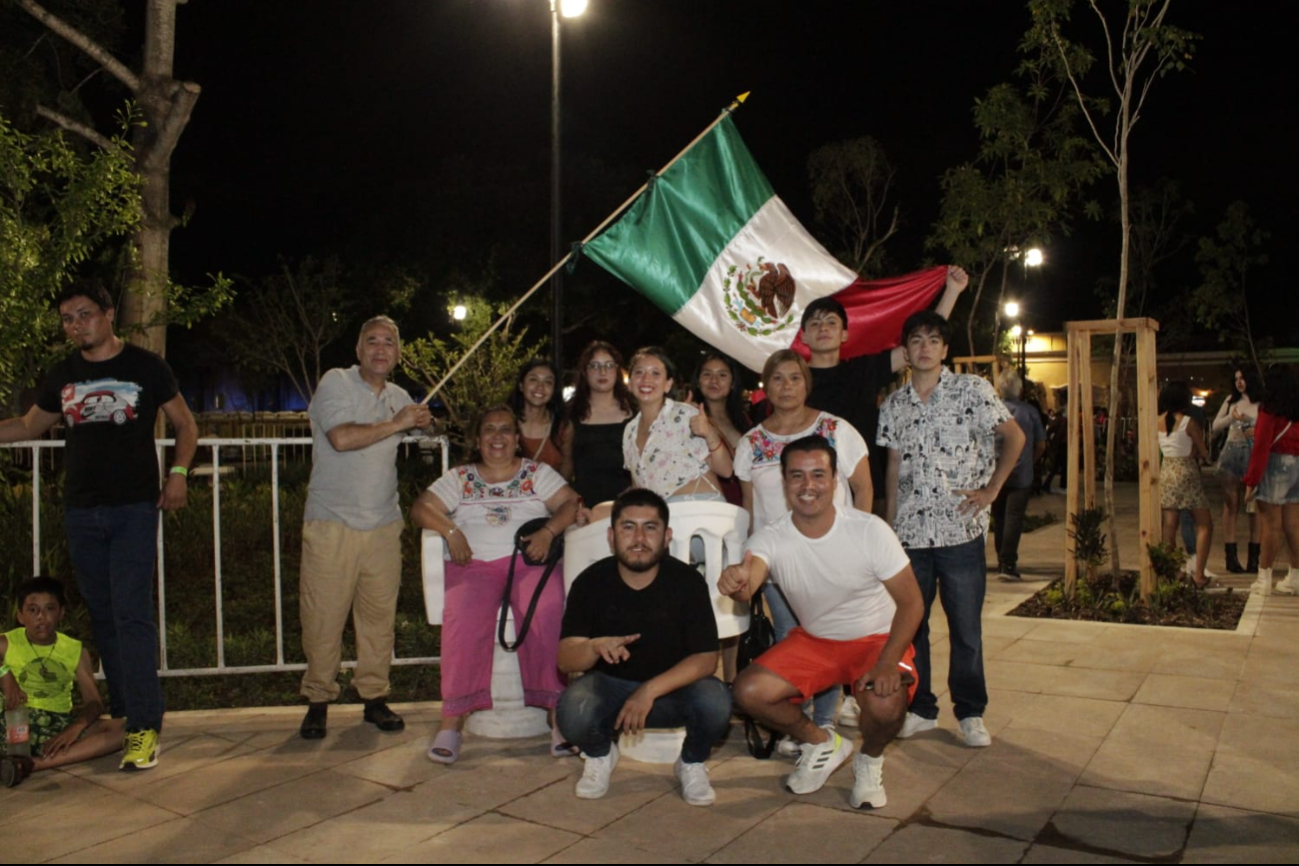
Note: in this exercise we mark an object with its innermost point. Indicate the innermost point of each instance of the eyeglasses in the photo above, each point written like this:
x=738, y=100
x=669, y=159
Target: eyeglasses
x=602, y=366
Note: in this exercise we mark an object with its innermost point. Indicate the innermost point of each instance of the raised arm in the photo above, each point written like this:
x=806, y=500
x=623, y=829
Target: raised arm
x=354, y=437
x=741, y=581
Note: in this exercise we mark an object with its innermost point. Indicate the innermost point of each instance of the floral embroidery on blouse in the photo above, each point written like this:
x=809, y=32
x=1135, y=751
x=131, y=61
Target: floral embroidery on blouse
x=673, y=455
x=768, y=450
x=947, y=443
x=472, y=486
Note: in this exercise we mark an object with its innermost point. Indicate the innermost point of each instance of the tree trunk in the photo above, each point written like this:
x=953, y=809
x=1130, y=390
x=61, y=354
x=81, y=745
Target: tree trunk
x=1111, y=429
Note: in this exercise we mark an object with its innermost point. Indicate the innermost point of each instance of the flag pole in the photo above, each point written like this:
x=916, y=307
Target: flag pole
x=735, y=103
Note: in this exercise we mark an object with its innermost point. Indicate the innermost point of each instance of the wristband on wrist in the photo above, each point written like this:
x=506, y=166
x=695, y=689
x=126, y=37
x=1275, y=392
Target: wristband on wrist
x=179, y=470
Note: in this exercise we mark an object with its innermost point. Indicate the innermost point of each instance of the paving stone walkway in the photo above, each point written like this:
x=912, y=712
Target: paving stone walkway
x=1111, y=744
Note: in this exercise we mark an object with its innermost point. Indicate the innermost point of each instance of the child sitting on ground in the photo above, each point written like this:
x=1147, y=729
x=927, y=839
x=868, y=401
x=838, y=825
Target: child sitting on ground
x=39, y=667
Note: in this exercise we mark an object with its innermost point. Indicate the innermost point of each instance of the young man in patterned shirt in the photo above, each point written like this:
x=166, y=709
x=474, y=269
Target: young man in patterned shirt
x=944, y=471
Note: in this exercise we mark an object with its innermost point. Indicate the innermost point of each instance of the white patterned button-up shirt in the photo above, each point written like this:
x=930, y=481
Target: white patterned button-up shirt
x=946, y=443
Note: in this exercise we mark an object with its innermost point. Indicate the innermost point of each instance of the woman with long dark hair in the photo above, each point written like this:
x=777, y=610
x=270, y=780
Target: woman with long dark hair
x=592, y=442
x=539, y=406
x=1272, y=478
x=716, y=386
x=1238, y=415
x=1182, y=443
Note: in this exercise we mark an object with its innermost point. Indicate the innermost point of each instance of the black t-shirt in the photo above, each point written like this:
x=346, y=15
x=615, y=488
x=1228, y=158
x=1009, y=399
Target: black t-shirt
x=673, y=616
x=850, y=389
x=109, y=408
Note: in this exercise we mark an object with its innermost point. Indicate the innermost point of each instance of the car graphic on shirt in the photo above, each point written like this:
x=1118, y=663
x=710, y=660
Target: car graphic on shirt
x=102, y=400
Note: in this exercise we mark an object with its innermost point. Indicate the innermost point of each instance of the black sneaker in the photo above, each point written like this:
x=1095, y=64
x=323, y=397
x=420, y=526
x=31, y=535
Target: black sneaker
x=1009, y=574
x=313, y=723
x=378, y=714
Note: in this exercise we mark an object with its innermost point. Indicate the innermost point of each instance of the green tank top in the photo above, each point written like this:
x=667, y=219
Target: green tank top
x=46, y=674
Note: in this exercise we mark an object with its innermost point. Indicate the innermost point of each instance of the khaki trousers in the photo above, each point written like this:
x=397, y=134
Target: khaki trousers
x=345, y=569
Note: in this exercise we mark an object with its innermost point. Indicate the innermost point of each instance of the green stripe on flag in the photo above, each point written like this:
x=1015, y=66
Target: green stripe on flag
x=669, y=238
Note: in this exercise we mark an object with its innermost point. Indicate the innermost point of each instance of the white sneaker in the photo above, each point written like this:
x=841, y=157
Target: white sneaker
x=1288, y=585
x=1263, y=584
x=594, y=783
x=915, y=725
x=788, y=747
x=695, y=787
x=816, y=764
x=868, y=787
x=849, y=712
x=976, y=735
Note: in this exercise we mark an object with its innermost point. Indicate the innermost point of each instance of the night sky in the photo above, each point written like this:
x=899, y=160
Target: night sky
x=330, y=126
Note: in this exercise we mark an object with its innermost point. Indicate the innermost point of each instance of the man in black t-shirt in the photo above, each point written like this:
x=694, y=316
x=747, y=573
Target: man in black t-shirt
x=640, y=628
x=108, y=393
x=850, y=388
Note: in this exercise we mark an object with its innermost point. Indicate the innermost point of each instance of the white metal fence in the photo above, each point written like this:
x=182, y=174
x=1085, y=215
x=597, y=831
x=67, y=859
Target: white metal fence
x=214, y=446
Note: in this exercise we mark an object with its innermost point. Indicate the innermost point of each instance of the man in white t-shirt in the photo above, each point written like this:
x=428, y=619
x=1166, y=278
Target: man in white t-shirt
x=850, y=582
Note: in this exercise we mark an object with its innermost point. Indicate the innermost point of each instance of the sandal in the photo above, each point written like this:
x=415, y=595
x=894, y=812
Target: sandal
x=1210, y=586
x=13, y=769
x=445, y=748
x=559, y=747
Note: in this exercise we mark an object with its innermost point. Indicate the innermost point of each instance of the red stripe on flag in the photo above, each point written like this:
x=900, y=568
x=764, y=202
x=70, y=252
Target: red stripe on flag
x=877, y=309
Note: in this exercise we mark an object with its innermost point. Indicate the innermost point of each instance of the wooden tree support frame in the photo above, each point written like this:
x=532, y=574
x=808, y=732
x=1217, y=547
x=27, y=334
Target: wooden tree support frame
x=1081, y=436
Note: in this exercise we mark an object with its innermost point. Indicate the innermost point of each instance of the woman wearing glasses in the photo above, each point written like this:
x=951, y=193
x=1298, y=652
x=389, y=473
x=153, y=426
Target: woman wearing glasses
x=598, y=412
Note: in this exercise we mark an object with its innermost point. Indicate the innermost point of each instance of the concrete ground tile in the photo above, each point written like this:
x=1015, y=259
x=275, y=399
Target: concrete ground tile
x=1070, y=632
x=1138, y=825
x=1015, y=785
x=1221, y=663
x=1117, y=657
x=1039, y=652
x=181, y=840
x=1223, y=835
x=483, y=782
x=346, y=740
x=261, y=854
x=802, y=833
x=1266, y=699
x=490, y=839
x=1018, y=676
x=747, y=792
x=1104, y=685
x=920, y=844
x=1052, y=854
x=604, y=851
x=1086, y=716
x=399, y=767
x=1008, y=626
x=993, y=645
x=177, y=756
x=557, y=806
x=909, y=780
x=1256, y=766
x=1268, y=670
x=221, y=782
x=1167, y=690
x=266, y=814
x=49, y=790
x=87, y=824
x=1157, y=750
x=381, y=829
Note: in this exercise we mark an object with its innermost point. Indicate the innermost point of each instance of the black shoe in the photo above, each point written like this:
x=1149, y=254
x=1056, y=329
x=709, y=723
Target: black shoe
x=1251, y=567
x=313, y=723
x=1233, y=561
x=378, y=714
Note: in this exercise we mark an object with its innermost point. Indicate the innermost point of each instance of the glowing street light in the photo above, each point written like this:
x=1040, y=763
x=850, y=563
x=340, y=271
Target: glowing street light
x=1016, y=332
x=459, y=312
x=572, y=8
x=1012, y=310
x=1033, y=258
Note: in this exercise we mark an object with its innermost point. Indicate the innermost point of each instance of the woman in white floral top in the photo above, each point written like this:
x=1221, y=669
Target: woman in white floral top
x=671, y=448
x=478, y=508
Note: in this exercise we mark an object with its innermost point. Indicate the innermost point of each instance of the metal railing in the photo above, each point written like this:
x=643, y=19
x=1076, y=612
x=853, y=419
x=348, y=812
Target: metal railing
x=214, y=445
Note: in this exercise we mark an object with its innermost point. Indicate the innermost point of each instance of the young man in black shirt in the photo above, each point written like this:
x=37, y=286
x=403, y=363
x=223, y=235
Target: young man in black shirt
x=640, y=627
x=108, y=393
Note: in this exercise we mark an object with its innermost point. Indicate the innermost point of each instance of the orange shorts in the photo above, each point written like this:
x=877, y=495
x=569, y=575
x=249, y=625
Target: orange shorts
x=814, y=664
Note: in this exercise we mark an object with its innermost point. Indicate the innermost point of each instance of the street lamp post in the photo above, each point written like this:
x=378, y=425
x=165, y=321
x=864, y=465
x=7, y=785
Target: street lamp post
x=568, y=9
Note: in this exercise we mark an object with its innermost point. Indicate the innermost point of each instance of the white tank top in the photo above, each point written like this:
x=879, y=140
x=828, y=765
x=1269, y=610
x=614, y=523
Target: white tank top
x=1178, y=443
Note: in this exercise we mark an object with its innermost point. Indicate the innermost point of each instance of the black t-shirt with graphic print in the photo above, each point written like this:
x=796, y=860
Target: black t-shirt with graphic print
x=109, y=408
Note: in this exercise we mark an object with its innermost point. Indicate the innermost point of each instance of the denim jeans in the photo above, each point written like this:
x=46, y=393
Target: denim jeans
x=959, y=574
x=1008, y=523
x=783, y=621
x=589, y=707
x=113, y=550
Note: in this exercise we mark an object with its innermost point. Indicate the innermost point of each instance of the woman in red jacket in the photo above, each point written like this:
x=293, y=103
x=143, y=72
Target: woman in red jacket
x=1273, y=477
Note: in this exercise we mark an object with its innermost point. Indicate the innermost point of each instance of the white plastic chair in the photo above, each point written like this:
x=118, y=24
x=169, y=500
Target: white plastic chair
x=509, y=717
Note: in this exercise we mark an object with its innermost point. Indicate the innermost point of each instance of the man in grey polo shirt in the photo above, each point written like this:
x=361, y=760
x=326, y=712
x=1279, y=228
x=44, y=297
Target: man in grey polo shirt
x=351, y=533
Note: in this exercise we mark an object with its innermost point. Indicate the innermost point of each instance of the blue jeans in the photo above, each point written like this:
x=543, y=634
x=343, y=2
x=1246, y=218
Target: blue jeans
x=1008, y=524
x=113, y=550
x=783, y=621
x=961, y=573
x=589, y=707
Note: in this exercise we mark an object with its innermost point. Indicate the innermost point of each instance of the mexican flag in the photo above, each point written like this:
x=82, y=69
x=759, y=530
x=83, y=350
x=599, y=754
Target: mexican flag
x=713, y=246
